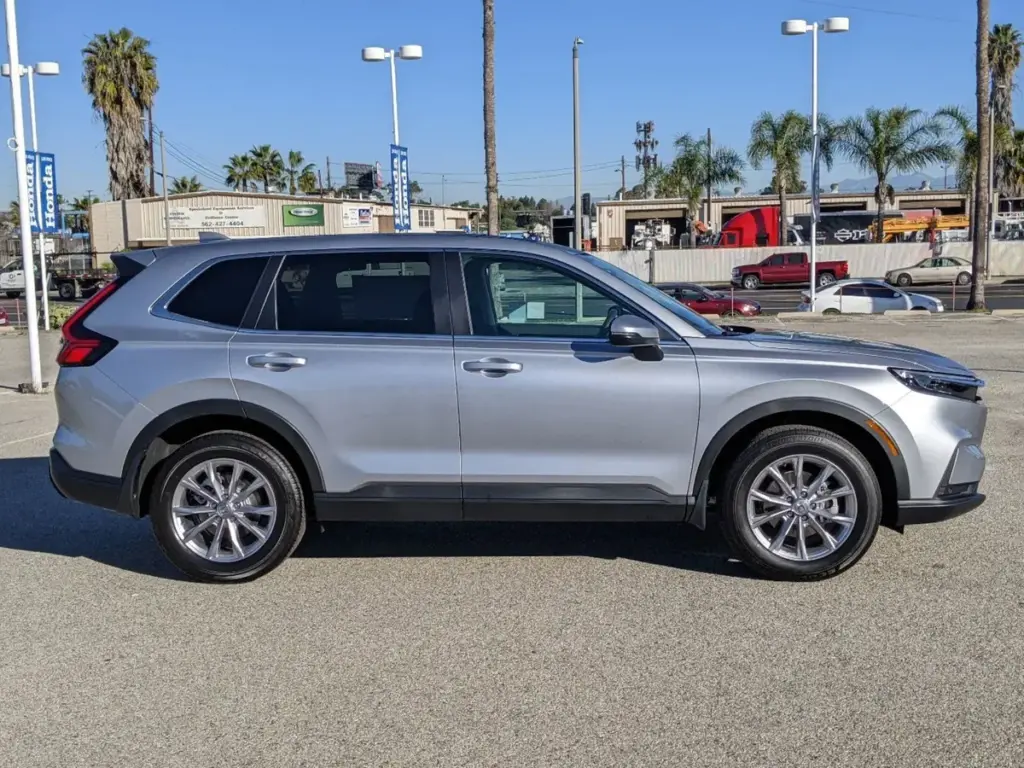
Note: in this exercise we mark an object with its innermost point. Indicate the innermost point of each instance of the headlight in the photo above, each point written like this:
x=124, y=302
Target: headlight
x=960, y=385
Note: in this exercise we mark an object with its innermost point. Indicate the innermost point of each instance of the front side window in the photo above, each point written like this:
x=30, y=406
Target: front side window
x=515, y=297
x=356, y=293
x=776, y=260
x=221, y=292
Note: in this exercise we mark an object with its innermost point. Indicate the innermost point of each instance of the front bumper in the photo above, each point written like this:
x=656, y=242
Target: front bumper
x=86, y=487
x=920, y=511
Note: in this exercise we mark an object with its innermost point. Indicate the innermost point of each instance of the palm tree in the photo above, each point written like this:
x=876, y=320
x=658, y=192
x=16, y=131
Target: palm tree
x=185, y=185
x=79, y=222
x=490, y=142
x=1004, y=50
x=240, y=172
x=297, y=168
x=119, y=73
x=961, y=125
x=783, y=140
x=308, y=182
x=891, y=141
x=693, y=169
x=982, y=182
x=268, y=165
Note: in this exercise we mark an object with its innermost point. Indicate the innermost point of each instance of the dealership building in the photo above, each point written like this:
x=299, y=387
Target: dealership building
x=141, y=223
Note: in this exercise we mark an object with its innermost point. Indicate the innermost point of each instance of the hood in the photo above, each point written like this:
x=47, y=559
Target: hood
x=819, y=345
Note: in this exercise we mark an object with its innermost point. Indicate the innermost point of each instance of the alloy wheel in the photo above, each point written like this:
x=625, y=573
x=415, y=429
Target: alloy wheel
x=802, y=507
x=223, y=510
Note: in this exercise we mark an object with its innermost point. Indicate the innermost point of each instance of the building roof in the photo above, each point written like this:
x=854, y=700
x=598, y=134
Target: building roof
x=772, y=199
x=284, y=196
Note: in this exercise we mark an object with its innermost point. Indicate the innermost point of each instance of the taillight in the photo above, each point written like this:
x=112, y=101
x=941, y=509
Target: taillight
x=81, y=346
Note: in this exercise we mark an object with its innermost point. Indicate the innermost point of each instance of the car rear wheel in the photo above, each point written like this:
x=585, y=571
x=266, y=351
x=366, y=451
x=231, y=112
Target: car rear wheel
x=751, y=282
x=13, y=294
x=66, y=291
x=964, y=278
x=825, y=279
x=904, y=279
x=800, y=503
x=227, y=506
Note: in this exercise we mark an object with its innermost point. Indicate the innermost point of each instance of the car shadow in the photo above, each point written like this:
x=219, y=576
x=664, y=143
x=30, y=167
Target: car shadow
x=34, y=518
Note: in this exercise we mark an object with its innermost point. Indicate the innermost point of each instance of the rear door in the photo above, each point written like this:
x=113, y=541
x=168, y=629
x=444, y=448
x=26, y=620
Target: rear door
x=853, y=299
x=354, y=349
x=555, y=421
x=797, y=268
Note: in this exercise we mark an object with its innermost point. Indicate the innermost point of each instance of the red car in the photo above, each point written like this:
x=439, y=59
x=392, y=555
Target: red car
x=3, y=317
x=708, y=302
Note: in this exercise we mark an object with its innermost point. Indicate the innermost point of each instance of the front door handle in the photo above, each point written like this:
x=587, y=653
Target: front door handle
x=492, y=366
x=275, y=361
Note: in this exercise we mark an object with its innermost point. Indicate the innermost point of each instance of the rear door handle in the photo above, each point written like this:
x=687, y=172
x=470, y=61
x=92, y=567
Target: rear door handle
x=495, y=366
x=276, y=361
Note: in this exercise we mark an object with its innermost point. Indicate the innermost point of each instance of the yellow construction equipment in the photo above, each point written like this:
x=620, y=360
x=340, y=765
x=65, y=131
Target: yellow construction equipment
x=893, y=228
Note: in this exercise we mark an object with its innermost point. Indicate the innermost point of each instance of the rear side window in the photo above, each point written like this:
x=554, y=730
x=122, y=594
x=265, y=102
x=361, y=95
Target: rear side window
x=795, y=258
x=354, y=292
x=221, y=292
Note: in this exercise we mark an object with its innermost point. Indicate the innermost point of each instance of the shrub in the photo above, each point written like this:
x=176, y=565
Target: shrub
x=59, y=314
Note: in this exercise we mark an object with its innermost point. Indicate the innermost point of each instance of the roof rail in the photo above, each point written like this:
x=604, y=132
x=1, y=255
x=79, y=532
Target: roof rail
x=209, y=237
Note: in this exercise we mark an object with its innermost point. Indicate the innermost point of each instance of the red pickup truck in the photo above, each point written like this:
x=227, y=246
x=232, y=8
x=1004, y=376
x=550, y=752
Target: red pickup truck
x=792, y=267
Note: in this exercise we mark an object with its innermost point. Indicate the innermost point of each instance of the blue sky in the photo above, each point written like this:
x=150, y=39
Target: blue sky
x=234, y=74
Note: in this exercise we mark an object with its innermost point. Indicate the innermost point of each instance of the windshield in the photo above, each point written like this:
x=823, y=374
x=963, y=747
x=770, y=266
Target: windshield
x=679, y=310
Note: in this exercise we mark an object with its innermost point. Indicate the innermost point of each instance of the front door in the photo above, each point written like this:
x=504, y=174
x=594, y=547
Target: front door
x=354, y=351
x=556, y=423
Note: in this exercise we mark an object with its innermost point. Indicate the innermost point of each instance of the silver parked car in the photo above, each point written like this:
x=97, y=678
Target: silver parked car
x=938, y=269
x=233, y=390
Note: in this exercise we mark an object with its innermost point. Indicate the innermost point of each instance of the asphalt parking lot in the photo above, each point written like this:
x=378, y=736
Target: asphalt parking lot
x=516, y=645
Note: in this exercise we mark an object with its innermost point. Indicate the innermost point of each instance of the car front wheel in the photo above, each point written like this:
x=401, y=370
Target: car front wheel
x=751, y=282
x=800, y=503
x=904, y=279
x=227, y=506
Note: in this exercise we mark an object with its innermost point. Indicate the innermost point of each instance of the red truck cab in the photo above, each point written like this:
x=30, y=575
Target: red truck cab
x=783, y=268
x=756, y=228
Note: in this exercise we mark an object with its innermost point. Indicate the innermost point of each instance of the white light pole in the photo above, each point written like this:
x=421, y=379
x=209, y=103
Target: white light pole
x=43, y=69
x=801, y=27
x=577, y=180
x=17, y=143
x=408, y=52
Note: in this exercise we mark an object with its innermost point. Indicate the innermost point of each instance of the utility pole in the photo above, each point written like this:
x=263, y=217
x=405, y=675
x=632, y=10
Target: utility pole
x=622, y=194
x=167, y=203
x=577, y=180
x=710, y=172
x=329, y=172
x=152, y=163
x=645, y=145
x=442, y=189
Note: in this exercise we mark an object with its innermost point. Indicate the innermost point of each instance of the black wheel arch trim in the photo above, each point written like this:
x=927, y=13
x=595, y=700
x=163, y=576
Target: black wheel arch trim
x=140, y=460
x=792, y=404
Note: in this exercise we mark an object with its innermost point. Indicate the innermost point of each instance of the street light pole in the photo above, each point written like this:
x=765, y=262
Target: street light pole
x=801, y=27
x=35, y=367
x=409, y=52
x=577, y=181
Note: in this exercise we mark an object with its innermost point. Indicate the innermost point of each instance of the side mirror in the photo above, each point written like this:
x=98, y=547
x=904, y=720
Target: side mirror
x=632, y=331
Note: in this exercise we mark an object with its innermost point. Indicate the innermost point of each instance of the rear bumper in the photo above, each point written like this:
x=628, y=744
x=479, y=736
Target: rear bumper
x=86, y=487
x=920, y=511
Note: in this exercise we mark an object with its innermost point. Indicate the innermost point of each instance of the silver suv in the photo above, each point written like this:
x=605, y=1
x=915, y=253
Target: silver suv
x=233, y=390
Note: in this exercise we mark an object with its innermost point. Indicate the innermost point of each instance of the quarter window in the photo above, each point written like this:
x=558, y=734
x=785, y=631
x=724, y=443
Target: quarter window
x=221, y=292
x=356, y=293
x=513, y=297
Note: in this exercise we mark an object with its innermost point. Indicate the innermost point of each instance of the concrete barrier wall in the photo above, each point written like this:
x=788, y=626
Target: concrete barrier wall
x=714, y=265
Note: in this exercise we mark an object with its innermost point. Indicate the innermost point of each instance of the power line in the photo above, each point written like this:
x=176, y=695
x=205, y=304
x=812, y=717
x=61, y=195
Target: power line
x=884, y=11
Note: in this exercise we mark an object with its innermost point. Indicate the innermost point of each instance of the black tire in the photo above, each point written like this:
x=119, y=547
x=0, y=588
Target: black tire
x=777, y=443
x=964, y=278
x=904, y=279
x=826, y=279
x=751, y=282
x=288, y=528
x=831, y=311
x=14, y=294
x=66, y=291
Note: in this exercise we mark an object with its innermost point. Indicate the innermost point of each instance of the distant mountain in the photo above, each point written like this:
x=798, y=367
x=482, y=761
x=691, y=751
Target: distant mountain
x=899, y=183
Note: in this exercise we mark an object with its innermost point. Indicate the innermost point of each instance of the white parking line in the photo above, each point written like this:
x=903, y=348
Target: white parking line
x=26, y=439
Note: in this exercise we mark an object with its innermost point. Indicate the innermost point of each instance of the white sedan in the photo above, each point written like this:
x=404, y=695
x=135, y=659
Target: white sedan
x=865, y=297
